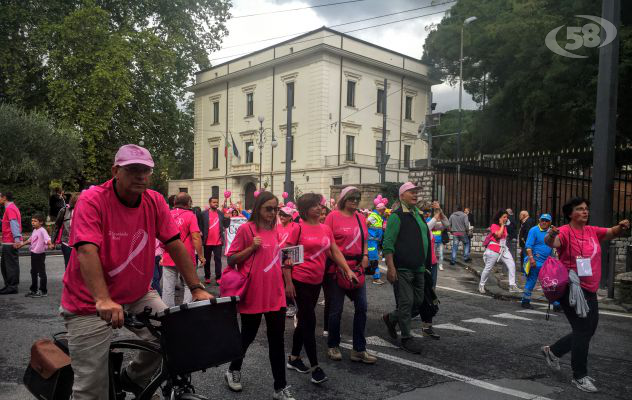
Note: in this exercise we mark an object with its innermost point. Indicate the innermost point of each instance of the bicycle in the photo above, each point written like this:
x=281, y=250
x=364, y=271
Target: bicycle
x=180, y=358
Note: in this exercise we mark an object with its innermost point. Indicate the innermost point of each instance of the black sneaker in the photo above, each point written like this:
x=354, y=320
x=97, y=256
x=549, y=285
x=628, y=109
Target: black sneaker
x=297, y=365
x=392, y=332
x=452, y=263
x=411, y=345
x=319, y=376
x=527, y=305
x=430, y=333
x=44, y=294
x=36, y=295
x=30, y=294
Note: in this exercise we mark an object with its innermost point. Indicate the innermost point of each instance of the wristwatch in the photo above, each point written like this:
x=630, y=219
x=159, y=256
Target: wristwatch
x=197, y=286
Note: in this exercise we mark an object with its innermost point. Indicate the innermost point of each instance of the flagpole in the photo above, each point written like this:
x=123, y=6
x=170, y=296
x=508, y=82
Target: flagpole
x=226, y=161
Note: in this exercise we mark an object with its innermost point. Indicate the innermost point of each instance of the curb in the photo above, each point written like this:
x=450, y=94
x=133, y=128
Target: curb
x=495, y=291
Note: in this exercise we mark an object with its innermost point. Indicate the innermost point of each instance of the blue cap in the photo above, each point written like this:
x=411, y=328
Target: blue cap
x=546, y=217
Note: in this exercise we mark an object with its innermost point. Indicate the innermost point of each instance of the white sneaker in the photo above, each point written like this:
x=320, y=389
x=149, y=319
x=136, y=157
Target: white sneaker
x=295, y=321
x=585, y=384
x=283, y=394
x=440, y=267
x=481, y=289
x=291, y=311
x=325, y=333
x=551, y=360
x=233, y=379
x=514, y=289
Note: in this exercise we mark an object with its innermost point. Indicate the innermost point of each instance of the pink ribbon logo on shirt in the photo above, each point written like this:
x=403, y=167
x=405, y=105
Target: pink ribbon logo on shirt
x=275, y=260
x=355, y=239
x=325, y=243
x=214, y=224
x=134, y=251
x=283, y=238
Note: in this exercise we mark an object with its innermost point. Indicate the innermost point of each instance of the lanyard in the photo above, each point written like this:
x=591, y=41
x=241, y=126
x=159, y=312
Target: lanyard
x=581, y=247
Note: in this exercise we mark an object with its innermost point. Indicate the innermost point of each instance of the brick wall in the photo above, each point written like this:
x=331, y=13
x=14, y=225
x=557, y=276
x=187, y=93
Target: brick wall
x=423, y=177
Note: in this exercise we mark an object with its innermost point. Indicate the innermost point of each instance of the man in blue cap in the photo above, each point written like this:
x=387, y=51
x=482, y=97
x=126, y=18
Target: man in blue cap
x=537, y=253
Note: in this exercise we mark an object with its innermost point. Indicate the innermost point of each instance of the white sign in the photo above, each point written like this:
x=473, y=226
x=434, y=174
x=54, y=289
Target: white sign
x=231, y=231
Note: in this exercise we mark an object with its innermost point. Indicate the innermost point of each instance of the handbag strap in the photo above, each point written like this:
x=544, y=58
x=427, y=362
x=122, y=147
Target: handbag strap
x=252, y=264
x=361, y=231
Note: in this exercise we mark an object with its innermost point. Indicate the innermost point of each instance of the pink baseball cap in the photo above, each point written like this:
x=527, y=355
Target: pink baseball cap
x=287, y=211
x=406, y=187
x=346, y=190
x=133, y=154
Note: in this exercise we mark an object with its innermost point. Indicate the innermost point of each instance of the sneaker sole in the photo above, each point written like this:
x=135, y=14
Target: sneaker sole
x=435, y=337
x=362, y=360
x=290, y=366
x=315, y=382
x=578, y=386
x=231, y=388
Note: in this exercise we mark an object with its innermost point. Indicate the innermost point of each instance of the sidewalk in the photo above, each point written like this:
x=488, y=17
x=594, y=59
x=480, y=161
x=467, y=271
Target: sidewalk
x=497, y=285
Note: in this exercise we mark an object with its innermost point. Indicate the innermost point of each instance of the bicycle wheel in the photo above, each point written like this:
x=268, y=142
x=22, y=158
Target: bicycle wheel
x=122, y=350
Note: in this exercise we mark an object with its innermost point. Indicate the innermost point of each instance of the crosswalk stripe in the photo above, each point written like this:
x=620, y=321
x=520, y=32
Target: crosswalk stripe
x=452, y=327
x=535, y=312
x=378, y=341
x=511, y=316
x=483, y=321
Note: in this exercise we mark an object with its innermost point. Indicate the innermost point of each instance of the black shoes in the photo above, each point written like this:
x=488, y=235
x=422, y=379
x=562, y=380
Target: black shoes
x=319, y=376
x=430, y=333
x=8, y=290
x=412, y=345
x=297, y=365
x=392, y=332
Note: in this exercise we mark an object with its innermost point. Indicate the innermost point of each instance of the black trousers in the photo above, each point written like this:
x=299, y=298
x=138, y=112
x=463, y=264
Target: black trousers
x=305, y=331
x=216, y=252
x=38, y=270
x=10, y=266
x=275, y=324
x=578, y=341
x=66, y=251
x=327, y=294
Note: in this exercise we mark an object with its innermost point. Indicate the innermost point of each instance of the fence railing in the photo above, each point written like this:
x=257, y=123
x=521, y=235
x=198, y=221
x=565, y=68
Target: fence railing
x=540, y=182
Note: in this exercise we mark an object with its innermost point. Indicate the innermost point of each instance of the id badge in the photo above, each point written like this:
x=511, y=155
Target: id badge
x=583, y=267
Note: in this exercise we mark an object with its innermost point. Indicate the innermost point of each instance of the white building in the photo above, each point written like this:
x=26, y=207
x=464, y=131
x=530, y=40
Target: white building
x=336, y=117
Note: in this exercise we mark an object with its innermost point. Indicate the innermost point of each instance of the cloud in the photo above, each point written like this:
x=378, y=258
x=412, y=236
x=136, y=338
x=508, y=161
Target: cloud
x=405, y=37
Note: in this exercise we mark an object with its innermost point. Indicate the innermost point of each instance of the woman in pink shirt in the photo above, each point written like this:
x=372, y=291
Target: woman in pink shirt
x=497, y=251
x=285, y=226
x=350, y=233
x=303, y=281
x=578, y=247
x=256, y=252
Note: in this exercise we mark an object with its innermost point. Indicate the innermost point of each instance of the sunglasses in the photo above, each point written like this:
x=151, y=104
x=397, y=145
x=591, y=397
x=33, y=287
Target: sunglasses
x=271, y=209
x=138, y=170
x=354, y=199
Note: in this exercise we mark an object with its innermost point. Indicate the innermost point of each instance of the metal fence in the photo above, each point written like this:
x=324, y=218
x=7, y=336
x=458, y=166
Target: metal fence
x=537, y=182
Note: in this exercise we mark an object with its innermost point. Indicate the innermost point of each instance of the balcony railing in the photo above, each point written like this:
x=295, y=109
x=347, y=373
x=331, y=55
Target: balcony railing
x=365, y=160
x=252, y=168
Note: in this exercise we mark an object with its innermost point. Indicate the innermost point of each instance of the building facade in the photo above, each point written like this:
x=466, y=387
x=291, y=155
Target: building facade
x=334, y=84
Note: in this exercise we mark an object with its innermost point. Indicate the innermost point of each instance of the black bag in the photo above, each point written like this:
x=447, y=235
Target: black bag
x=445, y=236
x=430, y=306
x=49, y=375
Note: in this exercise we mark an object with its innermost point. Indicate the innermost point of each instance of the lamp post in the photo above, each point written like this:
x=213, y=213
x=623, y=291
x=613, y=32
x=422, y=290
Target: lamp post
x=261, y=142
x=458, y=137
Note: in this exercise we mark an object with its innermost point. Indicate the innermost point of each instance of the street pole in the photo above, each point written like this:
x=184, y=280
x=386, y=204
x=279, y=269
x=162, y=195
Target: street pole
x=605, y=130
x=383, y=152
x=289, y=188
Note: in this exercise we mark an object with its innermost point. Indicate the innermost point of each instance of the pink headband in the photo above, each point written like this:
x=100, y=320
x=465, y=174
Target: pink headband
x=345, y=191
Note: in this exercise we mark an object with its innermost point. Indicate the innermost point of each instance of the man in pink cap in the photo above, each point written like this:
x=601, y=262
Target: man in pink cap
x=115, y=226
x=408, y=253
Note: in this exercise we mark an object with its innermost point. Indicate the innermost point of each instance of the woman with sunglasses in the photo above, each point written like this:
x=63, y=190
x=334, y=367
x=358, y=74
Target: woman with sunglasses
x=350, y=233
x=255, y=251
x=304, y=280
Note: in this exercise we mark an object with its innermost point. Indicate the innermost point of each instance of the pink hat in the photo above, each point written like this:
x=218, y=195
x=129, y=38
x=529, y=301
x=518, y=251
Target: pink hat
x=132, y=154
x=380, y=206
x=406, y=187
x=346, y=190
x=287, y=210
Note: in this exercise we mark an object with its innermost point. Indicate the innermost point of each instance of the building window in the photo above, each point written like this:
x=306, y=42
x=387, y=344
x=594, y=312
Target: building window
x=406, y=156
x=350, y=148
x=216, y=112
x=250, y=104
x=215, y=191
x=337, y=180
x=378, y=152
x=380, y=101
x=249, y=154
x=215, y=158
x=290, y=94
x=409, y=108
x=181, y=190
x=351, y=86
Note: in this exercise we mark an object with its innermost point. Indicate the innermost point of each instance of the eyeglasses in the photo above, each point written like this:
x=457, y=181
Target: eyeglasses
x=271, y=209
x=354, y=199
x=135, y=169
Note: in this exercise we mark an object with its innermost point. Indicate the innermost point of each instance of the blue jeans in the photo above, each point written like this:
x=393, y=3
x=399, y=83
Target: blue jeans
x=434, y=271
x=455, y=247
x=532, y=279
x=337, y=299
x=157, y=278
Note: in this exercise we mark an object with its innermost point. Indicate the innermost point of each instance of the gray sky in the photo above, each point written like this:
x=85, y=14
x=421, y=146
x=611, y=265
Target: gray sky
x=405, y=37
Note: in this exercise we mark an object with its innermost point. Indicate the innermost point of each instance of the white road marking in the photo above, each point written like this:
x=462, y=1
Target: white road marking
x=452, y=327
x=378, y=341
x=601, y=312
x=455, y=376
x=463, y=292
x=535, y=312
x=511, y=316
x=483, y=321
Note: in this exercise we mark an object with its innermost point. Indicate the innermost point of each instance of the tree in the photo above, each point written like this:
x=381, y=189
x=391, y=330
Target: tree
x=116, y=70
x=536, y=98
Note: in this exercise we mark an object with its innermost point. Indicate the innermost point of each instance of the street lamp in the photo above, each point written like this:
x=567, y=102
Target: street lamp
x=261, y=142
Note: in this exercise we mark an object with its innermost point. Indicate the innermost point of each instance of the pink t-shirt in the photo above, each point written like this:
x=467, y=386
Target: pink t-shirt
x=496, y=244
x=186, y=221
x=125, y=237
x=213, y=238
x=347, y=233
x=11, y=212
x=316, y=241
x=433, y=260
x=266, y=291
x=284, y=232
x=39, y=240
x=582, y=243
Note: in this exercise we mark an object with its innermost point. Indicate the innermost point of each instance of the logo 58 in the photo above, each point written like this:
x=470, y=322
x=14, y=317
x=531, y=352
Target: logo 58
x=588, y=35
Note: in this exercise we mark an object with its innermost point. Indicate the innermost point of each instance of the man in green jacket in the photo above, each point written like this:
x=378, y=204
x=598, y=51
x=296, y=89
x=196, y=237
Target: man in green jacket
x=407, y=250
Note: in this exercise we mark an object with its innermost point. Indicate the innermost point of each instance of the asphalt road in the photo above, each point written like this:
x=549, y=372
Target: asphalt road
x=489, y=349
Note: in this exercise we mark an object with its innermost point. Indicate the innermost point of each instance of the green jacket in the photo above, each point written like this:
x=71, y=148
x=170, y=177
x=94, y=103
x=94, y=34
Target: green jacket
x=401, y=247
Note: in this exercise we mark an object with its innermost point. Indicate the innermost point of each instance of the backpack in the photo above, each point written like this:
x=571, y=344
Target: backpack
x=553, y=279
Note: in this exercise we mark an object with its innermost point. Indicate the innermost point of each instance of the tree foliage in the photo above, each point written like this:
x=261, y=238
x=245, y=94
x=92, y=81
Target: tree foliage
x=115, y=70
x=536, y=99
